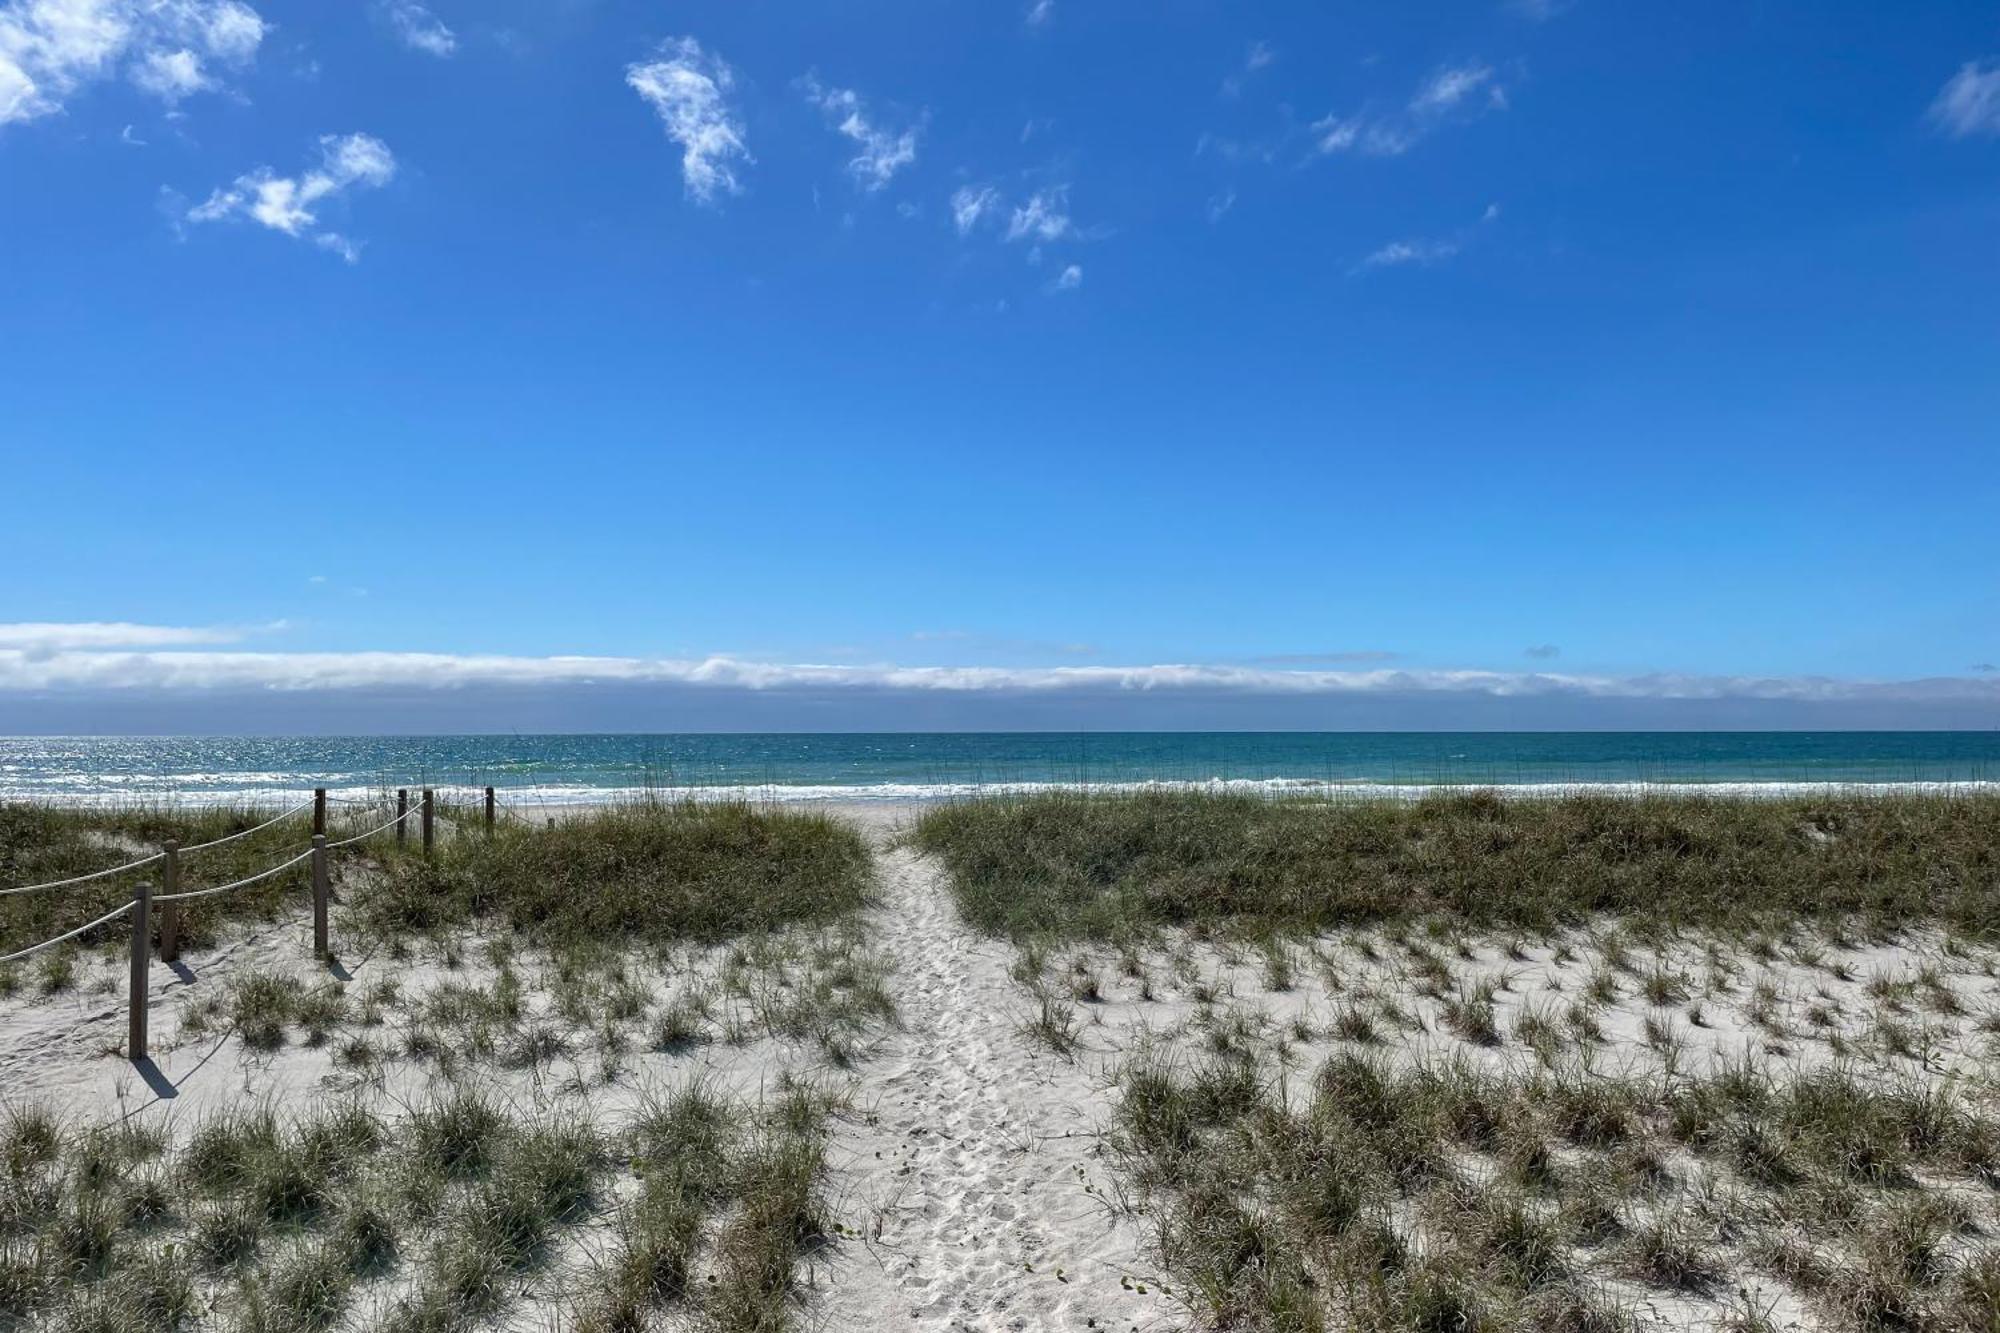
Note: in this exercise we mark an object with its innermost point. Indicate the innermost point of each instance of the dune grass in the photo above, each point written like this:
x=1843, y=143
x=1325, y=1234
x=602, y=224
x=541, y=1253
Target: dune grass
x=40, y=843
x=1436, y=1194
x=1119, y=865
x=655, y=871
x=451, y=1215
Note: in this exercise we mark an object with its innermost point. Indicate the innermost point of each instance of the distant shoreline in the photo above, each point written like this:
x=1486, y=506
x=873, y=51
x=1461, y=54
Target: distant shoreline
x=538, y=802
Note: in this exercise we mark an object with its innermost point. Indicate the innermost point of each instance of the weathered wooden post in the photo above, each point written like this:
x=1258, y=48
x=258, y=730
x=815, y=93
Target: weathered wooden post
x=142, y=961
x=489, y=812
x=319, y=811
x=322, y=891
x=430, y=821
x=170, y=913
x=402, y=815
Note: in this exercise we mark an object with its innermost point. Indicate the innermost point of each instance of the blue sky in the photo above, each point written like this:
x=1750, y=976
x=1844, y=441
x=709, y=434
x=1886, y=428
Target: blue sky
x=1488, y=350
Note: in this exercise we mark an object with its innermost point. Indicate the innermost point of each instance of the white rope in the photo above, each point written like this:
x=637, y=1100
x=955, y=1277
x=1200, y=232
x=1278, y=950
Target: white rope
x=112, y=915
x=377, y=829
x=239, y=884
x=204, y=846
x=82, y=879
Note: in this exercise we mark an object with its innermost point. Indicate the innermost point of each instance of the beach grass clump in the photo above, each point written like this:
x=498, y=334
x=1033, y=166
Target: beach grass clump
x=1397, y=1189
x=1115, y=865
x=447, y=1214
x=662, y=871
x=737, y=1189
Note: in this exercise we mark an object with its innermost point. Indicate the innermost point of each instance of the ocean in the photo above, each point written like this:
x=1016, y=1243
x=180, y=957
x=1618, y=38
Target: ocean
x=550, y=770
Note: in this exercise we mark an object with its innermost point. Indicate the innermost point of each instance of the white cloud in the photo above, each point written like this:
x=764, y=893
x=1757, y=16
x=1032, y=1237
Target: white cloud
x=1451, y=87
x=1424, y=252
x=171, y=75
x=40, y=639
x=970, y=203
x=51, y=49
x=1044, y=217
x=1397, y=253
x=883, y=152
x=288, y=203
x=1453, y=93
x=689, y=89
x=1970, y=103
x=1070, y=278
x=1259, y=56
x=147, y=670
x=1219, y=204
x=1040, y=12
x=419, y=29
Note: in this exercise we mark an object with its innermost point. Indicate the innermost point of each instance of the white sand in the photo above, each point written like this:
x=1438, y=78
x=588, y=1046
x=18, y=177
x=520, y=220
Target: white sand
x=973, y=1168
x=969, y=1171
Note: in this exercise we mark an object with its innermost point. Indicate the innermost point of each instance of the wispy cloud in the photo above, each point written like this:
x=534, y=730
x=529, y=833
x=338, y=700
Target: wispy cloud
x=39, y=639
x=419, y=29
x=1545, y=652
x=290, y=204
x=170, y=49
x=1069, y=279
x=1423, y=252
x=882, y=153
x=1260, y=56
x=1420, y=252
x=1041, y=13
x=689, y=89
x=1452, y=94
x=1970, y=103
x=970, y=203
x=1043, y=217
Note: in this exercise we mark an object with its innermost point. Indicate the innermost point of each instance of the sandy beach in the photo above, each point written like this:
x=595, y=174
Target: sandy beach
x=981, y=1167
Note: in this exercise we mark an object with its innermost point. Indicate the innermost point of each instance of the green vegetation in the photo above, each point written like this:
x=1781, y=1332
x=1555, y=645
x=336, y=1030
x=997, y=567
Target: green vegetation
x=431, y=1221
x=1120, y=866
x=1435, y=1194
x=657, y=871
x=39, y=844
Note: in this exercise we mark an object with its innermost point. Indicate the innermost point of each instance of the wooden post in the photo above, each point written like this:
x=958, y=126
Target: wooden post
x=430, y=821
x=142, y=961
x=170, y=913
x=402, y=812
x=489, y=812
x=322, y=891
x=319, y=811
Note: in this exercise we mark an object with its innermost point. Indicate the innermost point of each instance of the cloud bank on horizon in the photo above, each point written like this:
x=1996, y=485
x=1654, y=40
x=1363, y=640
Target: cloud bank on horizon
x=164, y=663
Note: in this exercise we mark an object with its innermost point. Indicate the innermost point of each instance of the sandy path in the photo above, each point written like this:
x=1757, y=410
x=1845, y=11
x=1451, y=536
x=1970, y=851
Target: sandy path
x=966, y=1161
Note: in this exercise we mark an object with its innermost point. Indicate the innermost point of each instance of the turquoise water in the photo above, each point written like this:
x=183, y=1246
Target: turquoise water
x=555, y=769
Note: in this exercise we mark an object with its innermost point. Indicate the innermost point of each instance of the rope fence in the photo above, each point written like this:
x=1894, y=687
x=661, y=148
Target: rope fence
x=243, y=883
x=112, y=915
x=171, y=895
x=278, y=819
